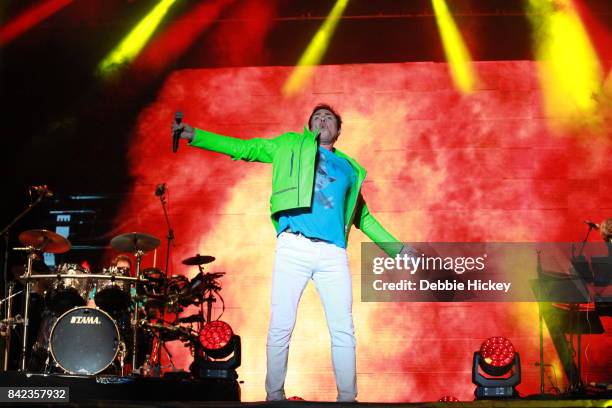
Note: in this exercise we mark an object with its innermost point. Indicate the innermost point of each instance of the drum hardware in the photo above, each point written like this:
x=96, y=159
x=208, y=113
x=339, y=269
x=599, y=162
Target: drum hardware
x=10, y=296
x=139, y=254
x=178, y=294
x=175, y=295
x=157, y=282
x=28, y=290
x=205, y=287
x=47, y=369
x=163, y=333
x=59, y=278
x=37, y=241
x=92, y=276
x=9, y=323
x=122, y=353
x=137, y=243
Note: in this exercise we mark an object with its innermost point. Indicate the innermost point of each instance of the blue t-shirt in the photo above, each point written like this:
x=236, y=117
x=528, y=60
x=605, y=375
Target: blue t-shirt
x=325, y=218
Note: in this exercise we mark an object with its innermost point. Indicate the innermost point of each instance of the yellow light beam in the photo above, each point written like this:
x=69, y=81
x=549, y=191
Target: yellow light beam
x=131, y=45
x=569, y=69
x=315, y=51
x=457, y=54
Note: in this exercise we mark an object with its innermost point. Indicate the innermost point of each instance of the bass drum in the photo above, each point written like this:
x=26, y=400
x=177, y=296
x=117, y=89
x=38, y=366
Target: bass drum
x=84, y=341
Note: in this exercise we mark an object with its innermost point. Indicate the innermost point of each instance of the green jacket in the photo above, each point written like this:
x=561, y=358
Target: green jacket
x=293, y=158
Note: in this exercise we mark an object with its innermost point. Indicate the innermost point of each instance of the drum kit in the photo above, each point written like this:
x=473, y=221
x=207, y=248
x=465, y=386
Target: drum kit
x=86, y=340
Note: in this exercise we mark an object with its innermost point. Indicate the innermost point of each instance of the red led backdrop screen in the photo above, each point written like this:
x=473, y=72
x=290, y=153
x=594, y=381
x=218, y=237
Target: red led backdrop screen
x=442, y=167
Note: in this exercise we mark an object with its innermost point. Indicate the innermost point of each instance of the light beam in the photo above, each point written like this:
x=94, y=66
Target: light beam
x=569, y=69
x=457, y=54
x=314, y=52
x=135, y=40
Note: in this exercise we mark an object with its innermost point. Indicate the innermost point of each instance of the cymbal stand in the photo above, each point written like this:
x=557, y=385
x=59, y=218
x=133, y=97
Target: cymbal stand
x=26, y=312
x=7, y=341
x=210, y=287
x=135, y=317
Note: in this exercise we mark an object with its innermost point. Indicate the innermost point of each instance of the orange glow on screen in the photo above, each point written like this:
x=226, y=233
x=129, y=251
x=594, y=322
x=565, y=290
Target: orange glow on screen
x=441, y=167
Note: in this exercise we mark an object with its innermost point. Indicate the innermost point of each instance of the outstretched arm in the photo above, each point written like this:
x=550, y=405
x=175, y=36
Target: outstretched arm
x=256, y=149
x=365, y=221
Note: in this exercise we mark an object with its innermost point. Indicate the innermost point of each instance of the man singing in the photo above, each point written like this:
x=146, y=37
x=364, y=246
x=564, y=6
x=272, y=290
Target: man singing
x=315, y=201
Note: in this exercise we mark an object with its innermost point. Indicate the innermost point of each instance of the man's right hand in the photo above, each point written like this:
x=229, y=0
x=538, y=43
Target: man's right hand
x=186, y=130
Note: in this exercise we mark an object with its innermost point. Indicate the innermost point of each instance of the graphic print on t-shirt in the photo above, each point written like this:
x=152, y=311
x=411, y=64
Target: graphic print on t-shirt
x=322, y=180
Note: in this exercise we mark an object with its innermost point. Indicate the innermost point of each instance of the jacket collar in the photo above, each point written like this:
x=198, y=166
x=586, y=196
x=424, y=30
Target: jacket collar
x=310, y=133
x=361, y=171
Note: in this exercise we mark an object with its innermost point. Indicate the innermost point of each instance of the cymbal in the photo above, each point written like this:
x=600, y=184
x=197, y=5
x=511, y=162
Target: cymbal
x=134, y=241
x=45, y=241
x=198, y=260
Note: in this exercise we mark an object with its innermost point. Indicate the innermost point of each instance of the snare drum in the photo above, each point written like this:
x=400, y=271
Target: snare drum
x=113, y=296
x=84, y=340
x=66, y=293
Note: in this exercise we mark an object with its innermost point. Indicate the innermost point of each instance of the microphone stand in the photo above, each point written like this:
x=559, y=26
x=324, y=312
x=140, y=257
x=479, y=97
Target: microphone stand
x=6, y=232
x=170, y=236
x=169, y=242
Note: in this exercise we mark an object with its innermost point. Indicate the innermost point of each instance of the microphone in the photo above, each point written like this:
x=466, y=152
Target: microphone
x=178, y=118
x=43, y=190
x=591, y=224
x=160, y=190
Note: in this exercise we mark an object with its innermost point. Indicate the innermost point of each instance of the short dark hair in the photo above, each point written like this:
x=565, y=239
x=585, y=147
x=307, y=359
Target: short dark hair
x=120, y=258
x=329, y=108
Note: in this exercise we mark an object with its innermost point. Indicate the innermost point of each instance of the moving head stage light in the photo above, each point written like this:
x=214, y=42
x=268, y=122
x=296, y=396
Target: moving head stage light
x=501, y=369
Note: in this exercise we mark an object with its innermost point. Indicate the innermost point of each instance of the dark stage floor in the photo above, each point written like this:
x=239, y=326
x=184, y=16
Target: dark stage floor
x=127, y=392
x=306, y=404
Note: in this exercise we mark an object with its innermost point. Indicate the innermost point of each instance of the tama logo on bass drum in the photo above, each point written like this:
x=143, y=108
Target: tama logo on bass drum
x=85, y=320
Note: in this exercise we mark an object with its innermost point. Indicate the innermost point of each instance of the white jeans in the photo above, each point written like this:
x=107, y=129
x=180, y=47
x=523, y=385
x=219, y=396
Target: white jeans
x=297, y=261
